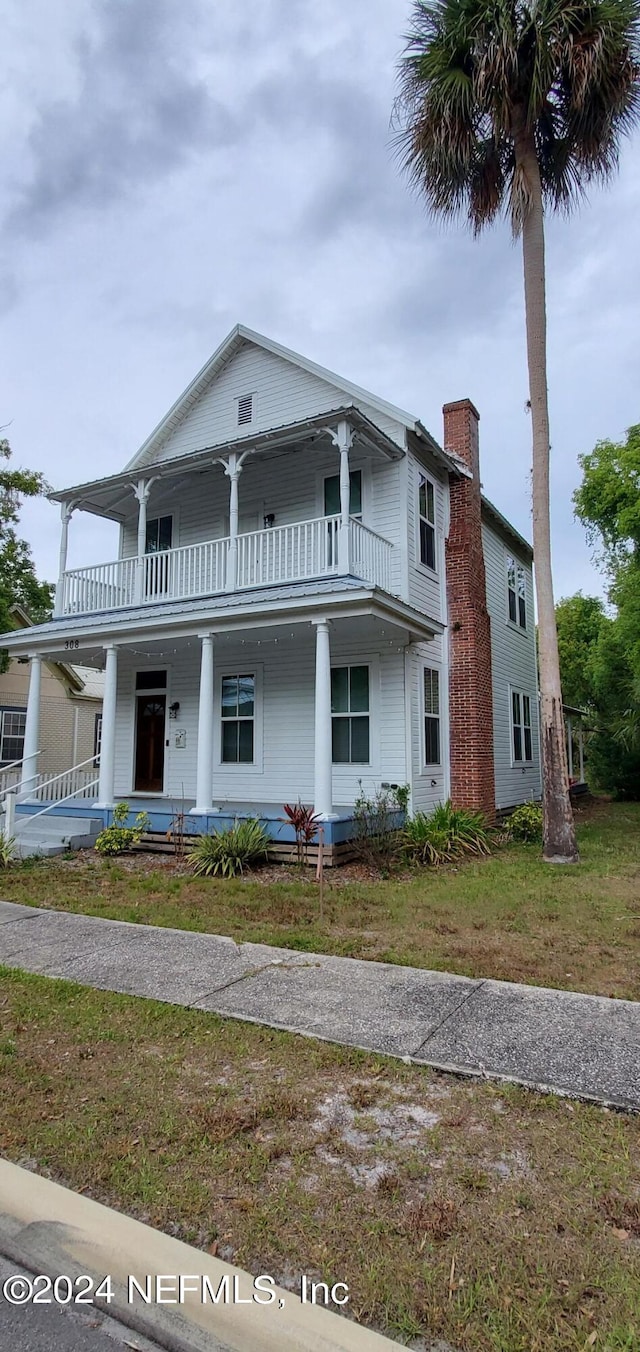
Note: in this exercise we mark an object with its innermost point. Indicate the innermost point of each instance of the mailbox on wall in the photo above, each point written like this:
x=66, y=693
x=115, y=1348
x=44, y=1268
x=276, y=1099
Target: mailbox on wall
x=180, y=738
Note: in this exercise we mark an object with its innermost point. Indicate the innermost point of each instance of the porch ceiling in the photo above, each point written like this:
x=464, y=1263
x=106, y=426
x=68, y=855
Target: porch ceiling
x=273, y=612
x=108, y=496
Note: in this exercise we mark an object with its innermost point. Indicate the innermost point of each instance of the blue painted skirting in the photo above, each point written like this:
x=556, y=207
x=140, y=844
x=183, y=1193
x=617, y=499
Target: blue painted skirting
x=341, y=828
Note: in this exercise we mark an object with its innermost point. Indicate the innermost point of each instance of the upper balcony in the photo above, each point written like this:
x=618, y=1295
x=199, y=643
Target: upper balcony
x=320, y=548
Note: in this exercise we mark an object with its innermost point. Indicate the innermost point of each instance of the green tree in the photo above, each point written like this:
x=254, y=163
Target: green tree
x=608, y=504
x=513, y=106
x=579, y=622
x=18, y=582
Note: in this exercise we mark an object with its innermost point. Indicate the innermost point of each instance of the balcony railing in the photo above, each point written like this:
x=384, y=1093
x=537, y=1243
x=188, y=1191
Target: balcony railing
x=293, y=553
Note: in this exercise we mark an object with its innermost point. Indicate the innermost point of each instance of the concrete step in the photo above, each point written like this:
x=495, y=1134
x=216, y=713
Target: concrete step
x=47, y=835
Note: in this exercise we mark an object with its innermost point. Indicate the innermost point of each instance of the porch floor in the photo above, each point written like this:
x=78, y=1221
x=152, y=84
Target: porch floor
x=162, y=813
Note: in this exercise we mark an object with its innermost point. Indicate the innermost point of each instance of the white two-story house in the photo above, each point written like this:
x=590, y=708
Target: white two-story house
x=310, y=596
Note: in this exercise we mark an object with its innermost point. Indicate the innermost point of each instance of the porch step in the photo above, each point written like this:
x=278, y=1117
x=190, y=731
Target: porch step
x=44, y=836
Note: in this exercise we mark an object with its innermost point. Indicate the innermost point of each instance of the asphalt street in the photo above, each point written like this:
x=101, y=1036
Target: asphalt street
x=51, y=1328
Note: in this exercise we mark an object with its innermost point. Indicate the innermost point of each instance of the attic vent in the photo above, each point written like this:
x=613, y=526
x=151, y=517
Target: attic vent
x=245, y=408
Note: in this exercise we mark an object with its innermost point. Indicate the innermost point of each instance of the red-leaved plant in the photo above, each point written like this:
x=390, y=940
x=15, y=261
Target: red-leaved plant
x=305, y=824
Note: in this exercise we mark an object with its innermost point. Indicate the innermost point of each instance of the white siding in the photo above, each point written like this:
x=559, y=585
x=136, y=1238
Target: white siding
x=513, y=660
x=284, y=768
x=429, y=783
x=424, y=585
x=282, y=393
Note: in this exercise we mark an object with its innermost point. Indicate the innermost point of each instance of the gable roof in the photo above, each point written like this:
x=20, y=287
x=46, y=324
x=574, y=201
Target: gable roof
x=232, y=344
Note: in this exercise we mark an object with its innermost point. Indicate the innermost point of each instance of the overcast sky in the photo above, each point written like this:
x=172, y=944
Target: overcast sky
x=169, y=169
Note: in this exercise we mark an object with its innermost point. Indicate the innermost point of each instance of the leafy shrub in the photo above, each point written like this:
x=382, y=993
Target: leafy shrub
x=227, y=852
x=446, y=833
x=7, y=846
x=525, y=822
x=377, y=825
x=118, y=838
x=305, y=824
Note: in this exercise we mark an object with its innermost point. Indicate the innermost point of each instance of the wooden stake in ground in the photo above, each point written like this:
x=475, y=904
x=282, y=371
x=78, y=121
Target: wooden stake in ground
x=320, y=870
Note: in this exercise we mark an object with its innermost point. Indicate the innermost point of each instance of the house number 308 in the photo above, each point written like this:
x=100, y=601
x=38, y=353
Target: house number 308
x=72, y=643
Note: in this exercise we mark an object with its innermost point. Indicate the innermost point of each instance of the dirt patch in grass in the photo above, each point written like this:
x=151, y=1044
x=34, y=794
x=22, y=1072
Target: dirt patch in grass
x=490, y=1217
x=509, y=917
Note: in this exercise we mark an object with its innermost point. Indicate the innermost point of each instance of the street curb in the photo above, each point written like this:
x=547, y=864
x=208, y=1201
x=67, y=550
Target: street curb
x=45, y=1228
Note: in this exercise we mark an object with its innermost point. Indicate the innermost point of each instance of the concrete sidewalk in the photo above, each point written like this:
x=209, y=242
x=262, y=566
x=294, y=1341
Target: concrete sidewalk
x=582, y=1045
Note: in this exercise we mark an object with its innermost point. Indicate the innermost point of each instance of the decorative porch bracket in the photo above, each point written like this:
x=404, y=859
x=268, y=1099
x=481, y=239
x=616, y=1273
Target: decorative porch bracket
x=232, y=467
x=141, y=492
x=342, y=437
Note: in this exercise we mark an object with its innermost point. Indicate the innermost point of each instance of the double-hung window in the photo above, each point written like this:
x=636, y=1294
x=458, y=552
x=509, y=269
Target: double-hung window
x=12, y=725
x=238, y=719
x=350, y=715
x=431, y=716
x=516, y=592
x=521, y=727
x=427, y=521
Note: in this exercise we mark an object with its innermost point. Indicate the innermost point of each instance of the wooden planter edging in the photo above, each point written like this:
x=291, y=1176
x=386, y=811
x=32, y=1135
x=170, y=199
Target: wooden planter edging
x=282, y=852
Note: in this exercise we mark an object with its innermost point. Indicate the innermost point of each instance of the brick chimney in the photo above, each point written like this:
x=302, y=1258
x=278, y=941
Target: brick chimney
x=470, y=688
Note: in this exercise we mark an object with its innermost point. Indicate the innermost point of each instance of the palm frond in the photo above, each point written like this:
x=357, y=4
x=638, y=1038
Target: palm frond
x=474, y=71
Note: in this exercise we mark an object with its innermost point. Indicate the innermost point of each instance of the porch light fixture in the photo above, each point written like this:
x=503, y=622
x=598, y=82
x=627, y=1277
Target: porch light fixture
x=269, y=520
x=174, y=709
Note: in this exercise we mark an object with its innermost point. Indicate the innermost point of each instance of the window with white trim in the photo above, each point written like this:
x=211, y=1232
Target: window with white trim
x=350, y=715
x=332, y=506
x=97, y=738
x=12, y=727
x=238, y=719
x=431, y=687
x=521, y=743
x=427, y=521
x=516, y=592
x=158, y=534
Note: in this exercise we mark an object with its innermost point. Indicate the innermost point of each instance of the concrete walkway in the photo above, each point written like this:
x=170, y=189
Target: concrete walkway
x=583, y=1045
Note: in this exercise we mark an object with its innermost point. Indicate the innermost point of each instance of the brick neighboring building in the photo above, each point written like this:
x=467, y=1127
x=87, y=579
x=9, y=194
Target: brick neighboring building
x=71, y=704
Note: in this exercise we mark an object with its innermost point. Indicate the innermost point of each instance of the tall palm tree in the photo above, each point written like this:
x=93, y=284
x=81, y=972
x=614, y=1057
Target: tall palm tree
x=514, y=106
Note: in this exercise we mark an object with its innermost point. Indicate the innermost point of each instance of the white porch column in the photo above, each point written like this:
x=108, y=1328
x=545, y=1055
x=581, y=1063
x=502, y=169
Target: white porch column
x=342, y=438
x=323, y=779
x=141, y=491
x=108, y=739
x=204, y=766
x=232, y=468
x=32, y=729
x=66, y=512
x=581, y=751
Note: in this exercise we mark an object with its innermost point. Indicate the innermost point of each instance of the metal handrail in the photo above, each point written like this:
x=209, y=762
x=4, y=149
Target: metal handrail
x=14, y=766
x=53, y=779
x=32, y=816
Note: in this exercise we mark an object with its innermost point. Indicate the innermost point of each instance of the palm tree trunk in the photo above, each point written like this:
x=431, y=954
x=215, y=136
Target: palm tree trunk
x=559, y=841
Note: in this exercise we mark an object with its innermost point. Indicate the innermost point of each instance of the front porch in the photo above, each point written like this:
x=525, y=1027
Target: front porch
x=214, y=719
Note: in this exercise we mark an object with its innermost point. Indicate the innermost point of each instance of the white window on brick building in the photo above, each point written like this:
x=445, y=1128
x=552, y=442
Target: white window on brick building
x=97, y=738
x=516, y=592
x=12, y=726
x=521, y=743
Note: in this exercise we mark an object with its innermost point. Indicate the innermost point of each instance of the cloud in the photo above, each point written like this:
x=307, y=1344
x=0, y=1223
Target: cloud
x=139, y=110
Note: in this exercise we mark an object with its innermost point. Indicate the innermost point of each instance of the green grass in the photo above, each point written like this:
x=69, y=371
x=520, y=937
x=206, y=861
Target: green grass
x=289, y=1156
x=511, y=916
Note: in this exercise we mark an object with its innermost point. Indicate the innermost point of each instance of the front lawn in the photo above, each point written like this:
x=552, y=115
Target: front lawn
x=510, y=917
x=492, y=1217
